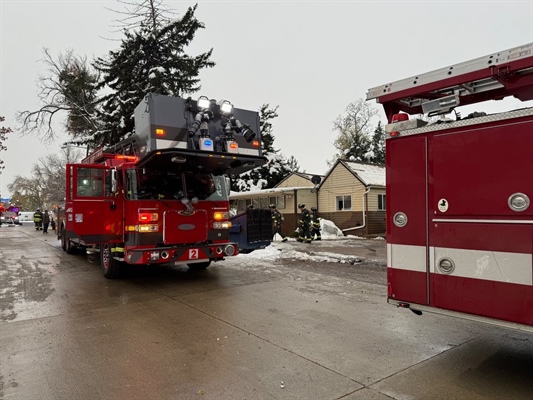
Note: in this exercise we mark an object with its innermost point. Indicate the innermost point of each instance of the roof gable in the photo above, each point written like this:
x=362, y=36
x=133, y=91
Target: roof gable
x=369, y=174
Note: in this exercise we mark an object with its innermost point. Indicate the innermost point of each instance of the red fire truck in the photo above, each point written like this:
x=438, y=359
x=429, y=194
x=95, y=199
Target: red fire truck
x=459, y=191
x=161, y=195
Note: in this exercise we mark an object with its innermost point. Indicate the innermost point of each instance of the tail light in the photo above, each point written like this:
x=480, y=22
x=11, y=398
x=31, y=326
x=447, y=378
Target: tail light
x=146, y=223
x=148, y=217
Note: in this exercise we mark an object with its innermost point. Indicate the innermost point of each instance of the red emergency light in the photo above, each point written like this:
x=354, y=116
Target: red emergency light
x=397, y=118
x=148, y=217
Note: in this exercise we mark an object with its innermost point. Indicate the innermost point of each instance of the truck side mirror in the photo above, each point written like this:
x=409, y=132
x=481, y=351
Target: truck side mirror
x=114, y=183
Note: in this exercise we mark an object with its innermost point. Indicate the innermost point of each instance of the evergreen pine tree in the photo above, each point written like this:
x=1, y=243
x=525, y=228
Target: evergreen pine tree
x=378, y=145
x=100, y=99
x=151, y=59
x=275, y=170
x=292, y=164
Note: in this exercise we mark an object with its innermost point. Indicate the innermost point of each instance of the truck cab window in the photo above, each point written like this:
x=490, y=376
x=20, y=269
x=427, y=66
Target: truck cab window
x=90, y=182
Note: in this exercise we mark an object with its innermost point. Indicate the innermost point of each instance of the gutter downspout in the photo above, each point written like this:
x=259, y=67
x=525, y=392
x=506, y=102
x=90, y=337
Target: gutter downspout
x=364, y=213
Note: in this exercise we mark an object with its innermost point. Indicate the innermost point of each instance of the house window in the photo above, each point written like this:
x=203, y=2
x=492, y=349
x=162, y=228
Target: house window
x=279, y=201
x=241, y=205
x=263, y=202
x=381, y=202
x=344, y=203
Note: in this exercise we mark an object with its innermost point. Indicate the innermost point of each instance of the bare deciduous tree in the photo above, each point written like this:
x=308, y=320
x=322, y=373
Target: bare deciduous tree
x=3, y=137
x=68, y=87
x=354, y=132
x=46, y=186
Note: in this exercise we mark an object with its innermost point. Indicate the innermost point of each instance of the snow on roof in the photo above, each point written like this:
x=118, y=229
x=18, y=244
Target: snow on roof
x=370, y=174
x=251, y=193
x=307, y=176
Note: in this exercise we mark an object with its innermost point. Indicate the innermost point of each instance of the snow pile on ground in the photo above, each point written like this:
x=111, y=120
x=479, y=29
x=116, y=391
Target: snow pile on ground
x=329, y=231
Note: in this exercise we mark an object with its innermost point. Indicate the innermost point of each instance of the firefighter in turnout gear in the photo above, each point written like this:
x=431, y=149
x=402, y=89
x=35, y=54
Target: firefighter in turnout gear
x=315, y=224
x=276, y=222
x=305, y=224
x=38, y=219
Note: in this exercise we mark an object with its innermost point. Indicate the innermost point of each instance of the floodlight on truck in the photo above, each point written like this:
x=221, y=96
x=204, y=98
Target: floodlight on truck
x=225, y=107
x=203, y=103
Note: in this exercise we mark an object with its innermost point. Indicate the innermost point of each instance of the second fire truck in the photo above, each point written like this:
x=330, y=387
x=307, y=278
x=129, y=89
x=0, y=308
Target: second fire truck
x=161, y=195
x=460, y=191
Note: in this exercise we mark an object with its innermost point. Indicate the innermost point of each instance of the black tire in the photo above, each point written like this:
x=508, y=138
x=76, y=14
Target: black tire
x=63, y=239
x=66, y=244
x=199, y=266
x=111, y=268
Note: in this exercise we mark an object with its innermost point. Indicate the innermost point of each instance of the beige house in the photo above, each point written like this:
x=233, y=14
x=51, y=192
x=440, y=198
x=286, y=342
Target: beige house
x=294, y=189
x=352, y=195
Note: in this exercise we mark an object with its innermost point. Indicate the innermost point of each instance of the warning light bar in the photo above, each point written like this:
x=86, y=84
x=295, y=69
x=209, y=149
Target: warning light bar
x=126, y=158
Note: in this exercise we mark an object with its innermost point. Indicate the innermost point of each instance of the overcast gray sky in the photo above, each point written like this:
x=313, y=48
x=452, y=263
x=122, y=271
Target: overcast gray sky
x=310, y=58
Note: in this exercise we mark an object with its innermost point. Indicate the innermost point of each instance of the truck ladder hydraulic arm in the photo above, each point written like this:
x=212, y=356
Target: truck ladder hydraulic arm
x=493, y=77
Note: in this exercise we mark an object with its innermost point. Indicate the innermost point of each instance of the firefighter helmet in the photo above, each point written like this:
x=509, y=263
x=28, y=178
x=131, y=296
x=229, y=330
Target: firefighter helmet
x=301, y=205
x=272, y=206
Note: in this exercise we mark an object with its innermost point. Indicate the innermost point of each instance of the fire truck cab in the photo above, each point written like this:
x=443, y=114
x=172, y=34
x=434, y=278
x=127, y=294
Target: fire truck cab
x=460, y=191
x=161, y=195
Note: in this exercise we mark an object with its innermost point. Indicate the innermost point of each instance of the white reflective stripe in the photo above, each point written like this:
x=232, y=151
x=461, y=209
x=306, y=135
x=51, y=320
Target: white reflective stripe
x=166, y=144
x=432, y=260
x=487, y=265
x=486, y=221
x=408, y=257
x=249, y=152
x=494, y=266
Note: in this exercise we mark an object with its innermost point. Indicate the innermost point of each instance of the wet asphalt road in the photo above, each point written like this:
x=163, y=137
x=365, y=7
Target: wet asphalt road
x=247, y=328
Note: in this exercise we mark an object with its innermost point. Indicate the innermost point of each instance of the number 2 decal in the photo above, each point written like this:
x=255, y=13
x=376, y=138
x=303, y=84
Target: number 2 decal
x=193, y=253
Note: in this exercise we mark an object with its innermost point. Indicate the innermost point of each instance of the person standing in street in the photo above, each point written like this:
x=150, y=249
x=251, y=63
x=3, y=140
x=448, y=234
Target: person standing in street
x=305, y=223
x=315, y=224
x=46, y=221
x=276, y=222
x=38, y=219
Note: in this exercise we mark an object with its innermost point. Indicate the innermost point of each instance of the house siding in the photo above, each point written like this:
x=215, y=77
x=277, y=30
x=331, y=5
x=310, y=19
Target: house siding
x=374, y=224
x=295, y=181
x=372, y=198
x=340, y=182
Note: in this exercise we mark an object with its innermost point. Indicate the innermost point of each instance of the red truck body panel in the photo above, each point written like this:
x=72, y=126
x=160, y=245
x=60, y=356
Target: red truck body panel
x=459, y=194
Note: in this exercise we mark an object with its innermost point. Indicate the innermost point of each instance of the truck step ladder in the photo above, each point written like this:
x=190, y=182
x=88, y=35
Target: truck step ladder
x=492, y=77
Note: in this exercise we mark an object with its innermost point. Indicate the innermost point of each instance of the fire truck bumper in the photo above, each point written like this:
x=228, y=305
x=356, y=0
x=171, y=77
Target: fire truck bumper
x=180, y=255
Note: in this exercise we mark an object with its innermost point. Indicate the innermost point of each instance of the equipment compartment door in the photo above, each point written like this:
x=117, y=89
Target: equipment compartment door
x=483, y=269
x=91, y=210
x=407, y=267
x=480, y=238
